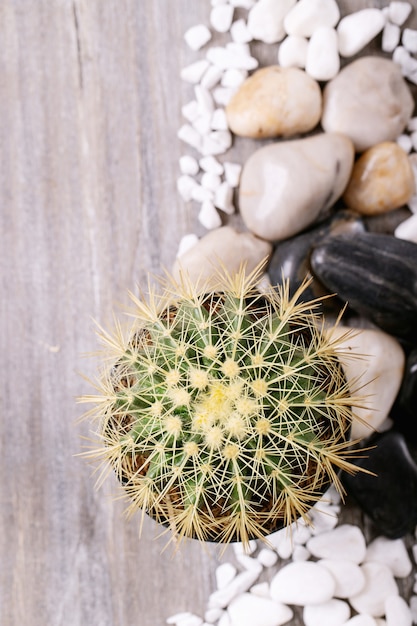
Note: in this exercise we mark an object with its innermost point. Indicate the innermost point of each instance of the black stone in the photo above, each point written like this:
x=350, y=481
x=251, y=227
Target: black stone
x=375, y=274
x=389, y=498
x=386, y=223
x=404, y=410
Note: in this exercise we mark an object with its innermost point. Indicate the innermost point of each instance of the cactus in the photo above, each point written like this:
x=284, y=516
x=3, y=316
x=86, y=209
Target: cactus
x=225, y=414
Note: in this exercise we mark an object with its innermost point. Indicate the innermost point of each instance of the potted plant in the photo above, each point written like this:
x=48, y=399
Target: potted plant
x=225, y=413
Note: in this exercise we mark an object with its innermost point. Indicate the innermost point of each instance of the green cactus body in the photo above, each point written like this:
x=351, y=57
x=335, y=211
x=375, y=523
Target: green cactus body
x=225, y=414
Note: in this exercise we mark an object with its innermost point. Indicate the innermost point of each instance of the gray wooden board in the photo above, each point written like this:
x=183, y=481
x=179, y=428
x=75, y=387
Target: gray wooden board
x=90, y=104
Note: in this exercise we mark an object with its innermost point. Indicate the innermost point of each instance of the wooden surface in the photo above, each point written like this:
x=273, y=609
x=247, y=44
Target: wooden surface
x=90, y=100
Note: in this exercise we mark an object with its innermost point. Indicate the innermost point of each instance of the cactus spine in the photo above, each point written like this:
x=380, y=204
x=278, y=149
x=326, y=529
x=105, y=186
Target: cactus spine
x=225, y=414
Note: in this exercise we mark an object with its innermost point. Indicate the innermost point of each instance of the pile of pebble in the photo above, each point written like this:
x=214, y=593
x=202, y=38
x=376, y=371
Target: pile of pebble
x=332, y=195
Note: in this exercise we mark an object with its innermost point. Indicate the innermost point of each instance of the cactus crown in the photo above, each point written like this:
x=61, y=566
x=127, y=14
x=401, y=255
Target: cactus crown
x=225, y=415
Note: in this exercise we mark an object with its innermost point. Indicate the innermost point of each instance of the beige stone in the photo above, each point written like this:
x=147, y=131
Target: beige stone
x=382, y=179
x=275, y=101
x=222, y=247
x=287, y=185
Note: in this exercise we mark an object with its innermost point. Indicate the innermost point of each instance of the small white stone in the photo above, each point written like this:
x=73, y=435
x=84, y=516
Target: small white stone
x=213, y=615
x=212, y=77
x=292, y=52
x=282, y=541
x=239, y=32
x=409, y=40
x=322, y=60
x=345, y=542
x=413, y=608
x=224, y=574
x=412, y=205
x=224, y=620
x=301, y=532
x=219, y=119
x=202, y=124
x=323, y=518
x=407, y=230
x=249, y=609
x=266, y=20
x=267, y=558
x=300, y=553
x=309, y=15
x=173, y=619
x=204, y=100
x=249, y=563
x=391, y=36
x=225, y=59
x=412, y=124
x=233, y=78
x=194, y=72
x=356, y=30
x=223, y=95
x=391, y=552
x=361, y=620
x=398, y=12
x=221, y=17
x=189, y=165
x=239, y=48
x=200, y=194
x=241, y=583
x=211, y=165
x=223, y=198
x=190, y=110
x=332, y=613
x=244, y=4
x=197, y=36
x=397, y=612
x=210, y=181
x=216, y=142
x=405, y=142
x=242, y=548
x=190, y=136
x=232, y=173
x=260, y=589
x=302, y=583
x=348, y=576
x=185, y=186
x=379, y=584
x=186, y=243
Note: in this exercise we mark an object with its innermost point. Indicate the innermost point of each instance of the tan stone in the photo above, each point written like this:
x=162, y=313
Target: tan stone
x=275, y=101
x=382, y=179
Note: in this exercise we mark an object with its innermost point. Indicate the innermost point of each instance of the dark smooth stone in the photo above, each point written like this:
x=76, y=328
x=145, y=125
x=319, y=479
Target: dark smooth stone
x=291, y=258
x=389, y=498
x=404, y=410
x=386, y=223
x=375, y=274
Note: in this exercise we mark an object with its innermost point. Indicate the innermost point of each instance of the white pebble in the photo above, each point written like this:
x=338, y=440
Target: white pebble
x=405, y=142
x=379, y=584
x=173, y=619
x=189, y=165
x=397, y=612
x=216, y=142
x=190, y=110
x=348, y=576
x=239, y=32
x=409, y=40
x=202, y=124
x=301, y=532
x=200, y=194
x=232, y=173
x=357, y=29
x=194, y=72
x=249, y=563
x=412, y=204
x=204, y=100
x=323, y=518
x=249, y=610
x=322, y=61
x=413, y=608
x=391, y=552
x=224, y=574
x=197, y=36
x=332, y=613
x=412, y=124
x=210, y=181
x=260, y=589
x=344, y=542
x=391, y=36
x=241, y=583
x=223, y=95
x=233, y=78
x=185, y=186
x=213, y=615
x=302, y=583
x=239, y=48
x=361, y=620
x=292, y=52
x=309, y=15
x=407, y=230
x=219, y=119
x=224, y=620
x=190, y=136
x=211, y=77
x=186, y=243
x=223, y=198
x=211, y=165
x=221, y=17
x=266, y=19
x=398, y=12
x=300, y=553
x=267, y=558
x=244, y=4
x=226, y=58
x=242, y=548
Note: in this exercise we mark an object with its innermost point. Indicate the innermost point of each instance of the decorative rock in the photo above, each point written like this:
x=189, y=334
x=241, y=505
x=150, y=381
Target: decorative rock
x=292, y=52
x=225, y=573
x=361, y=620
x=397, y=611
x=272, y=204
x=398, y=11
x=186, y=243
x=240, y=583
x=222, y=246
x=221, y=17
x=358, y=29
x=372, y=115
x=388, y=496
x=266, y=20
x=322, y=61
x=309, y=15
x=375, y=376
x=391, y=552
x=409, y=40
x=386, y=223
x=390, y=37
x=376, y=274
x=249, y=609
x=267, y=558
x=382, y=179
x=275, y=101
x=302, y=583
x=332, y=613
x=197, y=36
x=379, y=584
x=346, y=542
x=349, y=577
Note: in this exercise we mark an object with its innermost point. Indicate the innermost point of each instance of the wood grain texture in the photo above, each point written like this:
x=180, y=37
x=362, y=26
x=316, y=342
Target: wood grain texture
x=90, y=104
